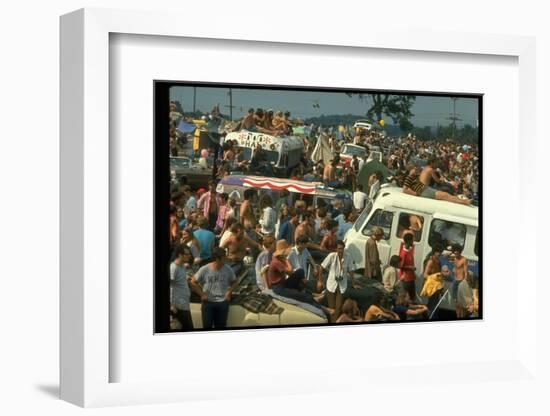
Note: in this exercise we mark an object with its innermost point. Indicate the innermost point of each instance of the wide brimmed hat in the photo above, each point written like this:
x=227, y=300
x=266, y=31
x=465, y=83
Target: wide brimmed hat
x=282, y=248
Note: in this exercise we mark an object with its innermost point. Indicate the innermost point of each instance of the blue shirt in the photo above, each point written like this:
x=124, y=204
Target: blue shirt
x=285, y=231
x=343, y=229
x=179, y=289
x=206, y=240
x=215, y=283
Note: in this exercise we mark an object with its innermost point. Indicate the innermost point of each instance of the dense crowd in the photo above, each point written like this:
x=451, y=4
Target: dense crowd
x=296, y=247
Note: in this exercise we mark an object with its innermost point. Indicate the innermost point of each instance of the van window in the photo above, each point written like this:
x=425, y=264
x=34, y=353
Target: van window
x=382, y=219
x=246, y=154
x=447, y=233
x=410, y=221
x=362, y=218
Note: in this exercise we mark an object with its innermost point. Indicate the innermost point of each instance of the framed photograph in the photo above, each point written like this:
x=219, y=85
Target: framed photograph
x=155, y=116
x=320, y=215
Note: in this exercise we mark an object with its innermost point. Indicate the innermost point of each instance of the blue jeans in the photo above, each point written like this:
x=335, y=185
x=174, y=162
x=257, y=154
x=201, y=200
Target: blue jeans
x=214, y=314
x=454, y=289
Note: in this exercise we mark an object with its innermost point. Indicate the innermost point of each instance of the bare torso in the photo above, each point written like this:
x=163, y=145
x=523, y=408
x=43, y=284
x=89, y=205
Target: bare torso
x=461, y=268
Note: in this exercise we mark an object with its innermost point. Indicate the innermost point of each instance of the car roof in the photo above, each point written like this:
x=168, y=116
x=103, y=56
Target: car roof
x=395, y=197
x=355, y=145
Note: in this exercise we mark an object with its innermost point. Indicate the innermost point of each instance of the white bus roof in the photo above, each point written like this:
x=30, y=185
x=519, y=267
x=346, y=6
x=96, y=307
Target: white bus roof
x=393, y=196
x=250, y=139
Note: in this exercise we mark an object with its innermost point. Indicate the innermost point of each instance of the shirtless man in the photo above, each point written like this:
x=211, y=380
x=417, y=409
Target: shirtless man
x=237, y=245
x=246, y=216
x=426, y=177
x=278, y=123
x=329, y=174
x=433, y=265
x=248, y=121
x=412, y=185
x=306, y=227
x=461, y=273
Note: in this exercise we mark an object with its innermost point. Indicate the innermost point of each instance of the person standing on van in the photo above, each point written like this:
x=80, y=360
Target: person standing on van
x=359, y=198
x=407, y=276
x=372, y=256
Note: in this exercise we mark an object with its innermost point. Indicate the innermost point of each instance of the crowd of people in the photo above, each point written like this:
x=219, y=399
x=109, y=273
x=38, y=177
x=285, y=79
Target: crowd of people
x=297, y=247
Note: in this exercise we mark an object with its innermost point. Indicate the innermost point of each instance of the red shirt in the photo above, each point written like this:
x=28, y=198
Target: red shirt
x=407, y=260
x=276, y=272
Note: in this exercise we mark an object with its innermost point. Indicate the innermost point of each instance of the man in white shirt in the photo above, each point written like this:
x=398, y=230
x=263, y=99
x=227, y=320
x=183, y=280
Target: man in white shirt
x=359, y=198
x=300, y=258
x=340, y=269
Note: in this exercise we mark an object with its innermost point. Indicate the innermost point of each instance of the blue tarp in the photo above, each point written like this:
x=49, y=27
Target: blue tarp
x=186, y=127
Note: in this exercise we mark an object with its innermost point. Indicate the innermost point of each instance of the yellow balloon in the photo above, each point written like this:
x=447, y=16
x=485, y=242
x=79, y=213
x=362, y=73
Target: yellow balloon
x=382, y=122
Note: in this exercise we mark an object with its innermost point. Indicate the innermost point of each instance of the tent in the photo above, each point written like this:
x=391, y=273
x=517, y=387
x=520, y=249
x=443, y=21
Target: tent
x=322, y=150
x=368, y=169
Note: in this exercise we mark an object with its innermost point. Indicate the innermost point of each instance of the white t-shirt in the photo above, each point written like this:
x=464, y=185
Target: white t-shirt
x=390, y=278
x=359, y=198
x=300, y=260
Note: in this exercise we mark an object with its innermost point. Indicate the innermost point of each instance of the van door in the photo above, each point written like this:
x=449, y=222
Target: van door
x=410, y=221
x=384, y=219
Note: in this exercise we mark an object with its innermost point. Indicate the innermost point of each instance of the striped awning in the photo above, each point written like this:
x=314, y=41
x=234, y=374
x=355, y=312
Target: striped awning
x=280, y=184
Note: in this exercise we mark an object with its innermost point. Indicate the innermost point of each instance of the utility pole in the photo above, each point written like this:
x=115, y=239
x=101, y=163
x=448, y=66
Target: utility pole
x=454, y=118
x=230, y=104
x=194, y=100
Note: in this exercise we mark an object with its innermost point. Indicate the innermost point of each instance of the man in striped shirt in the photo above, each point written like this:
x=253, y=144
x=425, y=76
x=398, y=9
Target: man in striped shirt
x=413, y=186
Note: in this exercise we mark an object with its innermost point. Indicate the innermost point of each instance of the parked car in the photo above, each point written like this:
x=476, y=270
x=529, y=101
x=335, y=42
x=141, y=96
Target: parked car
x=349, y=150
x=194, y=175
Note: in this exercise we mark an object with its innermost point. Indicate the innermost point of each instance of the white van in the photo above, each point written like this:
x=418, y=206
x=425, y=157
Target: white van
x=283, y=153
x=444, y=222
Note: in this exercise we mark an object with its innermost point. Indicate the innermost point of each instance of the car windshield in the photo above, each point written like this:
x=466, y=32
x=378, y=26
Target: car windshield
x=354, y=151
x=179, y=162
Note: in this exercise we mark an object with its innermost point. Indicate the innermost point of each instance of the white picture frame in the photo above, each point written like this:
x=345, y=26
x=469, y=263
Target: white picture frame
x=85, y=165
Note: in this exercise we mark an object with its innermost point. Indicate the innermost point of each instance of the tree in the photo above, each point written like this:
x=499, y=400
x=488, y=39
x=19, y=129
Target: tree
x=396, y=107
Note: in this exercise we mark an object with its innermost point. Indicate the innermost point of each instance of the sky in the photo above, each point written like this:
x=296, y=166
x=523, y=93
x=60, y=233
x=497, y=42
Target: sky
x=428, y=111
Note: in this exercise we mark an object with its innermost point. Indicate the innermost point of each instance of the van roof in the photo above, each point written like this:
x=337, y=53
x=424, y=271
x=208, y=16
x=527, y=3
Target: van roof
x=394, y=196
x=278, y=184
x=250, y=139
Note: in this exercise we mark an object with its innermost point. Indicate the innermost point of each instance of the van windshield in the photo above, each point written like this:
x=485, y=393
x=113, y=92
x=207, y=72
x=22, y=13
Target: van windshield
x=246, y=153
x=363, y=217
x=271, y=156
